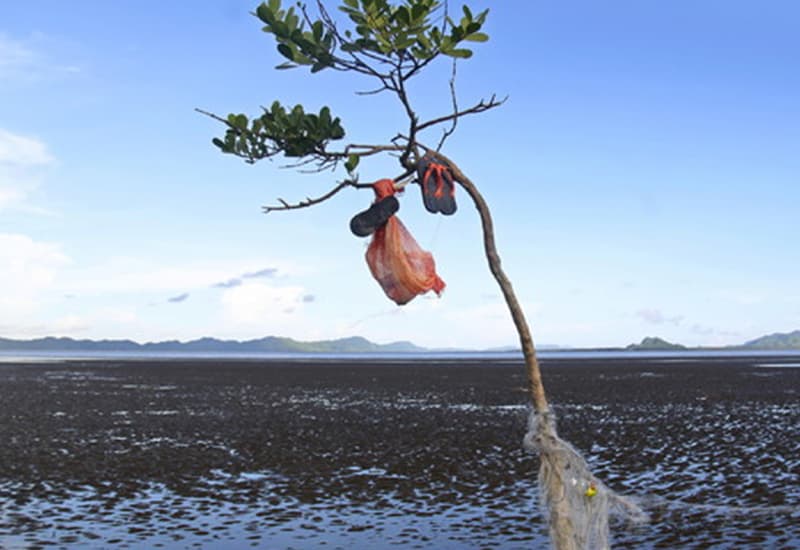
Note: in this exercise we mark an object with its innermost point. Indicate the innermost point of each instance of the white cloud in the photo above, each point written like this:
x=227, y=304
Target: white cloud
x=27, y=269
x=486, y=325
x=45, y=293
x=137, y=275
x=261, y=304
x=68, y=325
x=22, y=163
x=15, y=57
x=433, y=322
x=22, y=151
x=657, y=317
x=29, y=60
x=744, y=297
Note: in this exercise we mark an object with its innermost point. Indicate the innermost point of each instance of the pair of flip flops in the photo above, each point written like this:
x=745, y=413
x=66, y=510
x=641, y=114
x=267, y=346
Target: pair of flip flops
x=438, y=196
x=438, y=186
x=385, y=206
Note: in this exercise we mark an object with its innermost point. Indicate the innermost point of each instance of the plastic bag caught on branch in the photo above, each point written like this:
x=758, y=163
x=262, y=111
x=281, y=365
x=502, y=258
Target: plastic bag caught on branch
x=402, y=268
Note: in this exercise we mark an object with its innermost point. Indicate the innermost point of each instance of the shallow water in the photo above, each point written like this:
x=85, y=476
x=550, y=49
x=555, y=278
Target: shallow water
x=239, y=455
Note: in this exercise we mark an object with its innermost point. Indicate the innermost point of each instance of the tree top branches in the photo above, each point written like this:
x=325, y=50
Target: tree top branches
x=387, y=42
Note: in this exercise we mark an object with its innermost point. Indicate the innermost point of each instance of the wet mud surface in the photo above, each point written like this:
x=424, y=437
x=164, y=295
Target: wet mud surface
x=248, y=454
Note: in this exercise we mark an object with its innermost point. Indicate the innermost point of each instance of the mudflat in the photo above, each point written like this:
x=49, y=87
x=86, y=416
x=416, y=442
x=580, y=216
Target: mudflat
x=372, y=454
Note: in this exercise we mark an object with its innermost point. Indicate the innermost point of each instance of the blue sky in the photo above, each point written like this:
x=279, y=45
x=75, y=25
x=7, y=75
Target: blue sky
x=642, y=175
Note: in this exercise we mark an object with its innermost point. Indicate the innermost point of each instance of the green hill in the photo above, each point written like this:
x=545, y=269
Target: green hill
x=655, y=344
x=777, y=341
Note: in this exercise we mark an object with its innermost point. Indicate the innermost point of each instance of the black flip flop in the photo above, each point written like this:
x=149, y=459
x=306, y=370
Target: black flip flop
x=427, y=183
x=438, y=188
x=365, y=223
x=447, y=201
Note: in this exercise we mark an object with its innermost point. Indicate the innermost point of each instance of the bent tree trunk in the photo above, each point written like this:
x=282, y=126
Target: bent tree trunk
x=562, y=530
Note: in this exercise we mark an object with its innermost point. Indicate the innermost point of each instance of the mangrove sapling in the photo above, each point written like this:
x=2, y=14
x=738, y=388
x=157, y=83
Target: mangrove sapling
x=392, y=43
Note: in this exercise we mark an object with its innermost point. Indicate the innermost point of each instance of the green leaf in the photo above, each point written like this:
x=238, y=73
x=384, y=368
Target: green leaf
x=336, y=132
x=241, y=122
x=352, y=3
x=291, y=19
x=462, y=53
x=280, y=29
x=477, y=37
x=419, y=10
x=317, y=30
x=352, y=163
x=265, y=14
x=286, y=51
x=402, y=15
x=325, y=116
x=284, y=66
x=404, y=43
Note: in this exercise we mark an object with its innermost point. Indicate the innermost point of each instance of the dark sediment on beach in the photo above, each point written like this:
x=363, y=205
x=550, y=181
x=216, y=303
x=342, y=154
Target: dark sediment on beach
x=254, y=453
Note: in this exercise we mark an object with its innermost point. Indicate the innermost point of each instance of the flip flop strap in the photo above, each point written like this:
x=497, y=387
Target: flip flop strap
x=383, y=188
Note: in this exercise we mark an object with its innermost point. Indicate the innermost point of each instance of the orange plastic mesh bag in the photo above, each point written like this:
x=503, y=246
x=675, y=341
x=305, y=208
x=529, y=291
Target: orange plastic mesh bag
x=395, y=259
x=398, y=263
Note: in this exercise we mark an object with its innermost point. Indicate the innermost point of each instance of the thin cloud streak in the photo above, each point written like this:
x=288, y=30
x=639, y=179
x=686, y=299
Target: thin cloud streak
x=179, y=298
x=230, y=283
x=657, y=317
x=267, y=273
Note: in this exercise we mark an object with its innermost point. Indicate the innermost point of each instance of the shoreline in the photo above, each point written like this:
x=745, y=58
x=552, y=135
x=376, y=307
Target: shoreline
x=546, y=356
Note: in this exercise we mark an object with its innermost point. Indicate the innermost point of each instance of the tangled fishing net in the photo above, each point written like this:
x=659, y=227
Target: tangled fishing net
x=578, y=504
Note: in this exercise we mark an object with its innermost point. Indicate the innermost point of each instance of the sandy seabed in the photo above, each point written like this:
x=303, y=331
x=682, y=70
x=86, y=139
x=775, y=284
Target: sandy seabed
x=263, y=454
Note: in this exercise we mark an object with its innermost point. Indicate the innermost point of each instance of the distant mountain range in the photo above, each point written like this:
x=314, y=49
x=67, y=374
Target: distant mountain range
x=355, y=344
x=777, y=341
x=270, y=344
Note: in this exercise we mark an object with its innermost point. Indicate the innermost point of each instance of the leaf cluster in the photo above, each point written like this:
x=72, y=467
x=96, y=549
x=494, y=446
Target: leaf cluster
x=294, y=133
x=403, y=35
x=384, y=29
x=300, y=45
x=389, y=41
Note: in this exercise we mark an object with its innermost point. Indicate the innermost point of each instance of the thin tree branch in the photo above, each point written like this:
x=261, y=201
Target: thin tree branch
x=401, y=182
x=376, y=90
x=311, y=202
x=215, y=117
x=413, y=121
x=368, y=150
x=449, y=132
x=480, y=107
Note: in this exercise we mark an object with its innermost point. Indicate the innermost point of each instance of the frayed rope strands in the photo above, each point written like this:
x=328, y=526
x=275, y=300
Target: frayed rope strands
x=574, y=497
